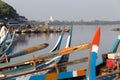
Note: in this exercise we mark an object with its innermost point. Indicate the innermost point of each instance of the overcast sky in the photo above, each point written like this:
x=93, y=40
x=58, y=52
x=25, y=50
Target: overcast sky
x=67, y=9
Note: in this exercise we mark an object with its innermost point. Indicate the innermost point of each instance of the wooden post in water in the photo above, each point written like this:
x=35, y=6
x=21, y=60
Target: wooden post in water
x=34, y=63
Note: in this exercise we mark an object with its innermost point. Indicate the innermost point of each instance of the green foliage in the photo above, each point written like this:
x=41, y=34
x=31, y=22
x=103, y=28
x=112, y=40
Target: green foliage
x=7, y=11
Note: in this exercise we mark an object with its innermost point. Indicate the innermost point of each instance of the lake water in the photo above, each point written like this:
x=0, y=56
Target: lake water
x=81, y=34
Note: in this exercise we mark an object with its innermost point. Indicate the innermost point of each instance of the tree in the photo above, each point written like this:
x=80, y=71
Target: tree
x=7, y=11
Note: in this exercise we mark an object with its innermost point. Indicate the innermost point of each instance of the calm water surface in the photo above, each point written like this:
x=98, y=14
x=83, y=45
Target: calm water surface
x=81, y=34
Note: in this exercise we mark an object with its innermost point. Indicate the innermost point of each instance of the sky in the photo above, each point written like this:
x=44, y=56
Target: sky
x=70, y=10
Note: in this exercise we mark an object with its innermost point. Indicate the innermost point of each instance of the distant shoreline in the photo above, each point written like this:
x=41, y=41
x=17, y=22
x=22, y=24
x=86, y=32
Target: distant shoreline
x=96, y=22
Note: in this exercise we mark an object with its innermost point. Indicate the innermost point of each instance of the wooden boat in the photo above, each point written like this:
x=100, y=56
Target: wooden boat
x=101, y=74
x=58, y=43
x=3, y=34
x=24, y=52
x=3, y=38
x=58, y=47
x=45, y=60
x=104, y=72
x=68, y=44
x=32, y=49
x=99, y=70
x=35, y=48
x=64, y=58
x=29, y=50
x=62, y=75
x=6, y=44
x=91, y=71
x=54, y=76
x=64, y=51
x=116, y=29
x=8, y=47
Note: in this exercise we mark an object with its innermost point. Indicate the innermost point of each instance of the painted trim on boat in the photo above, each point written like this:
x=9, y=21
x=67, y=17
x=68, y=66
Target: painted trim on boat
x=54, y=76
x=91, y=71
x=116, y=43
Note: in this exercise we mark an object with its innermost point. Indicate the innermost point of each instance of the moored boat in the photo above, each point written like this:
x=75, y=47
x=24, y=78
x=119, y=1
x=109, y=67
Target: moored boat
x=78, y=74
x=46, y=60
x=43, y=60
x=102, y=72
x=6, y=40
x=24, y=52
x=110, y=63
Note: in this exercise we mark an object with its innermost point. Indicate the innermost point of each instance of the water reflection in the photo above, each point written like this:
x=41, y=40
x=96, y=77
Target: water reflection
x=22, y=38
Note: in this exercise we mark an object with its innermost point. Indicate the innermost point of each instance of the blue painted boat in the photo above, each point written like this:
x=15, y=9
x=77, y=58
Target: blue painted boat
x=29, y=50
x=56, y=55
x=58, y=43
x=52, y=76
x=99, y=69
x=65, y=58
x=79, y=74
x=31, y=67
x=53, y=57
x=70, y=74
x=6, y=45
x=108, y=75
x=9, y=45
x=3, y=34
x=3, y=38
x=91, y=71
x=74, y=75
